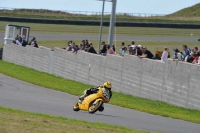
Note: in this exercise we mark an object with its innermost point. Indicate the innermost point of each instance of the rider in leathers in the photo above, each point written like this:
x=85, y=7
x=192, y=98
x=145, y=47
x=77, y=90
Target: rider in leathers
x=106, y=85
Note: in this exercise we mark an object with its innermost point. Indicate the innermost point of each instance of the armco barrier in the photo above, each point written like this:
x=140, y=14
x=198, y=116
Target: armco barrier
x=173, y=82
x=97, y=23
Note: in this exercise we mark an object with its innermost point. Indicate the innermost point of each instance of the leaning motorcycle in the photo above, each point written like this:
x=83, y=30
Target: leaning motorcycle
x=93, y=102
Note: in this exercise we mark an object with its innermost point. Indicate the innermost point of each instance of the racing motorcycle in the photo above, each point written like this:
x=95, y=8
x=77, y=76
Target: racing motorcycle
x=93, y=102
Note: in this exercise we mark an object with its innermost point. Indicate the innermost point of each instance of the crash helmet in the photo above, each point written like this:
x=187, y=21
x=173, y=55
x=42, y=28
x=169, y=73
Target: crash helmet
x=107, y=85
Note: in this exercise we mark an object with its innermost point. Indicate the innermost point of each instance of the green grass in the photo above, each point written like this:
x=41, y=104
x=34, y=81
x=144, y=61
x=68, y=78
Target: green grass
x=151, y=45
x=189, y=11
x=16, y=121
x=91, y=30
x=48, y=14
x=120, y=99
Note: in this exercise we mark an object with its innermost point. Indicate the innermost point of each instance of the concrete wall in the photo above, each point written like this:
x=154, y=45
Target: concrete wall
x=35, y=58
x=173, y=82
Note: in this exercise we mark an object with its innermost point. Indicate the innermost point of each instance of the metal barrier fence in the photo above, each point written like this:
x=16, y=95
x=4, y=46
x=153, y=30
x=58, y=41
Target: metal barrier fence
x=67, y=12
x=88, y=15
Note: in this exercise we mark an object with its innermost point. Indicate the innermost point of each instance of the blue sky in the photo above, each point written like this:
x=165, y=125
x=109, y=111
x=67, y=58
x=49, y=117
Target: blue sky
x=124, y=6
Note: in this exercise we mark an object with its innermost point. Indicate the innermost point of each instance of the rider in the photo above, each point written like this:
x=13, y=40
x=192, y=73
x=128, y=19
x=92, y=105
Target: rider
x=106, y=85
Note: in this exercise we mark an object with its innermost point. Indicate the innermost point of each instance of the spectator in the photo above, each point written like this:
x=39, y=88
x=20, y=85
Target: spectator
x=146, y=53
x=69, y=48
x=198, y=53
x=195, y=58
x=91, y=49
x=87, y=43
x=32, y=41
x=174, y=54
x=186, y=52
x=81, y=46
x=138, y=51
x=178, y=55
x=103, y=50
x=110, y=50
x=196, y=50
x=75, y=48
x=24, y=42
x=18, y=41
x=70, y=42
x=123, y=49
x=190, y=57
x=164, y=55
x=113, y=47
x=16, y=38
x=133, y=44
x=130, y=50
x=35, y=44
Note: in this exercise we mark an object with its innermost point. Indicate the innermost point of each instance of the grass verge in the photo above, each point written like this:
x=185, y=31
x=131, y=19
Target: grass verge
x=120, y=99
x=91, y=30
x=125, y=17
x=16, y=121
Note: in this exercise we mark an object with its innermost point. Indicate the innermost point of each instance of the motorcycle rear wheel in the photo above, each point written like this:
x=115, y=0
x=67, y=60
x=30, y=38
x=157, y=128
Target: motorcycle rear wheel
x=94, y=107
x=76, y=107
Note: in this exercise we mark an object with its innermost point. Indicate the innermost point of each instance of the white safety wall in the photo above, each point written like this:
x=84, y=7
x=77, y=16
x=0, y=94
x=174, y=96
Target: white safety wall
x=173, y=82
x=35, y=58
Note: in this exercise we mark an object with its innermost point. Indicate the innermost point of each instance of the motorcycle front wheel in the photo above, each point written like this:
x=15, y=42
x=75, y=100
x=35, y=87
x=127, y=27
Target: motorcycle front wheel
x=76, y=107
x=95, y=106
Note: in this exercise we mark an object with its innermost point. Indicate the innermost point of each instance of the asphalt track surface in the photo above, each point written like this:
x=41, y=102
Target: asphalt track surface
x=105, y=37
x=24, y=96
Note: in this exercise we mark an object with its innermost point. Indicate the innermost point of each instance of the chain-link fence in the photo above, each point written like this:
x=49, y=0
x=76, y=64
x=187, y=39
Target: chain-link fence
x=87, y=15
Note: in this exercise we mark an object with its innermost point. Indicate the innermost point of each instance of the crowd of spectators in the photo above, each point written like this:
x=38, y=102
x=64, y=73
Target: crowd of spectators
x=21, y=41
x=190, y=56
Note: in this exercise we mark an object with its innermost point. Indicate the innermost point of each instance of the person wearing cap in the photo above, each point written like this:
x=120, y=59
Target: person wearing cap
x=164, y=55
x=131, y=50
x=146, y=53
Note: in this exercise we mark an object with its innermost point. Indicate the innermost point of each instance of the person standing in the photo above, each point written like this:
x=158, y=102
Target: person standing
x=164, y=55
x=123, y=49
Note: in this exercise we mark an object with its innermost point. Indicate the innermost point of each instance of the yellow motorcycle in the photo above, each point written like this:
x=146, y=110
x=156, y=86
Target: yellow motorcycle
x=93, y=102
